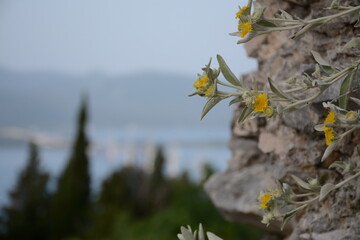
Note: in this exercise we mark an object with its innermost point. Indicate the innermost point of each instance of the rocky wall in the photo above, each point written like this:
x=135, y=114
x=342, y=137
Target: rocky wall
x=265, y=150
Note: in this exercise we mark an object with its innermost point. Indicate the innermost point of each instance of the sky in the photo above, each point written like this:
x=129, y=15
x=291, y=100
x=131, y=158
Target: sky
x=119, y=37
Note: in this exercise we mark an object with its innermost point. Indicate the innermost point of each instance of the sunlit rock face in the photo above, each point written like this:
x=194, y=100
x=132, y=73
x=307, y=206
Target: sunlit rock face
x=266, y=150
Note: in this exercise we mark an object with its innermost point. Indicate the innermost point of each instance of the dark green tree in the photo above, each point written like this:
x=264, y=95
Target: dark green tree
x=25, y=217
x=71, y=200
x=158, y=190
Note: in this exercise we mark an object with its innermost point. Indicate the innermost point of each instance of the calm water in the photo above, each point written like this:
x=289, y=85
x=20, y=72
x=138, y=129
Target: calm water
x=185, y=149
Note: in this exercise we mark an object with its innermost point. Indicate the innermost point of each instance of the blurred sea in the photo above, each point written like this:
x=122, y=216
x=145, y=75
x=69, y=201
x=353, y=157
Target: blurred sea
x=185, y=149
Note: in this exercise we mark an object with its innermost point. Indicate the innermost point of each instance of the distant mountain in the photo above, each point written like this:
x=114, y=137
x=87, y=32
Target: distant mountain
x=50, y=100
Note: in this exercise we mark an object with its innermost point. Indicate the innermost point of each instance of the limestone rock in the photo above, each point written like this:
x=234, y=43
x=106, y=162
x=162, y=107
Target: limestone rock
x=266, y=150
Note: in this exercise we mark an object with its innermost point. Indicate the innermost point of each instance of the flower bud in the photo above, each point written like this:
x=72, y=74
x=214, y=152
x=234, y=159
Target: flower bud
x=351, y=116
x=269, y=111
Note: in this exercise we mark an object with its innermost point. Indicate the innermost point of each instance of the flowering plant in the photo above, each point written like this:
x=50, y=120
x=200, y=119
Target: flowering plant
x=285, y=201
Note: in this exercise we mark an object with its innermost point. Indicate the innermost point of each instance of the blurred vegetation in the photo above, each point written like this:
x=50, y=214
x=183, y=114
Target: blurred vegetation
x=131, y=204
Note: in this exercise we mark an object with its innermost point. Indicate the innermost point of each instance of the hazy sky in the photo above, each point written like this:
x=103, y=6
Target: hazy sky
x=116, y=36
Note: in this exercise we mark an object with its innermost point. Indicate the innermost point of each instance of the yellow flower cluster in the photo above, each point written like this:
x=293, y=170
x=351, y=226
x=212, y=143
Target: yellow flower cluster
x=264, y=200
x=244, y=28
x=241, y=11
x=260, y=103
x=244, y=25
x=329, y=131
x=204, y=86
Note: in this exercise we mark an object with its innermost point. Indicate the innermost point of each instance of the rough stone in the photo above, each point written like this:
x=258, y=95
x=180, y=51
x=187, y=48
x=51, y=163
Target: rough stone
x=264, y=151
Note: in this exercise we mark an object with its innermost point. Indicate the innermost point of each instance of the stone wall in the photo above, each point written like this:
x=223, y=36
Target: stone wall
x=264, y=150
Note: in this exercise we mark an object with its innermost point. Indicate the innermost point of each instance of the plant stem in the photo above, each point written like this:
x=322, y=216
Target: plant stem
x=340, y=184
x=228, y=85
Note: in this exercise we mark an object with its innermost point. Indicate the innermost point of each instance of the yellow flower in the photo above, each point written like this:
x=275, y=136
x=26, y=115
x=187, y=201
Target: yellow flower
x=201, y=82
x=264, y=199
x=329, y=131
x=261, y=102
x=209, y=91
x=244, y=28
x=204, y=86
x=241, y=11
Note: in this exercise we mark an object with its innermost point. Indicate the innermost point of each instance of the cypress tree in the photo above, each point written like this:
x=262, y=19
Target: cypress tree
x=25, y=217
x=72, y=197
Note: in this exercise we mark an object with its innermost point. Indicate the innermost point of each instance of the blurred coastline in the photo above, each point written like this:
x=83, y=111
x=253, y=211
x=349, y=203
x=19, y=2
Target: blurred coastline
x=129, y=117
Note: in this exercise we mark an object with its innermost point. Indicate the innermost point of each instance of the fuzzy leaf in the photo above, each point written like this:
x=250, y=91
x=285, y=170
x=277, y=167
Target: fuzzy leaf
x=201, y=232
x=329, y=150
x=277, y=90
x=325, y=190
x=228, y=74
x=209, y=105
x=353, y=43
x=212, y=236
x=235, y=100
x=287, y=218
x=187, y=235
x=265, y=23
x=286, y=15
x=258, y=14
x=304, y=30
x=319, y=59
x=319, y=127
x=304, y=184
x=339, y=164
x=344, y=89
x=244, y=114
x=355, y=100
x=335, y=4
x=180, y=237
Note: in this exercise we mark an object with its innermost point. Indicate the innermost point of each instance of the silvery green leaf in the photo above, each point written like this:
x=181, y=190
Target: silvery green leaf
x=209, y=105
x=335, y=4
x=247, y=38
x=325, y=190
x=344, y=89
x=339, y=164
x=258, y=14
x=353, y=43
x=277, y=90
x=228, y=74
x=187, y=235
x=357, y=24
x=235, y=100
x=291, y=80
x=319, y=59
x=287, y=217
x=287, y=189
x=304, y=184
x=201, y=232
x=319, y=127
x=265, y=23
x=305, y=29
x=212, y=236
x=244, y=114
x=180, y=237
x=329, y=150
x=318, y=82
x=317, y=72
x=355, y=100
x=286, y=15
x=279, y=109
